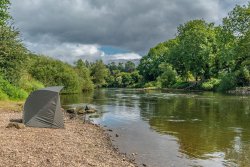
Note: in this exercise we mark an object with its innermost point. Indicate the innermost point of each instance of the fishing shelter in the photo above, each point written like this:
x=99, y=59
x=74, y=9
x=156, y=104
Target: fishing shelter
x=43, y=108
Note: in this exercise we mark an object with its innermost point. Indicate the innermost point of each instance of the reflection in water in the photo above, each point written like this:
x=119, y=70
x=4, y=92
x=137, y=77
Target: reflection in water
x=206, y=129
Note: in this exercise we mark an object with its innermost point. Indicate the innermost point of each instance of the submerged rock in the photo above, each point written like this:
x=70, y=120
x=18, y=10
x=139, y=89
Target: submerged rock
x=80, y=110
x=90, y=109
x=16, y=125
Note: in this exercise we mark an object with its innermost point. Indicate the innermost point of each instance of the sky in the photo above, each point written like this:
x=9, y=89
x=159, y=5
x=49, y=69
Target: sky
x=107, y=29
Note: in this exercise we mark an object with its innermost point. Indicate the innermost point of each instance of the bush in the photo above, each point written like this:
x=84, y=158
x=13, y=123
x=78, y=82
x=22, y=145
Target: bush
x=211, y=84
x=153, y=84
x=29, y=84
x=11, y=91
x=55, y=73
x=228, y=81
x=168, y=76
x=180, y=85
x=3, y=96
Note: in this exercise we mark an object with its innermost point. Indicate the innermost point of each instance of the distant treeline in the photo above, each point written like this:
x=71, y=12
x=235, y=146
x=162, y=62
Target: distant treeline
x=201, y=56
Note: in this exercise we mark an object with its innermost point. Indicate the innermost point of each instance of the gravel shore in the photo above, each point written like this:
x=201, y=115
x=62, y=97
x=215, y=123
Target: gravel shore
x=79, y=144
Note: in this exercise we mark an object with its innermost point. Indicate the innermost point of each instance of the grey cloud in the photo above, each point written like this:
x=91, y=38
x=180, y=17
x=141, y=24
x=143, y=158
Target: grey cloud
x=135, y=25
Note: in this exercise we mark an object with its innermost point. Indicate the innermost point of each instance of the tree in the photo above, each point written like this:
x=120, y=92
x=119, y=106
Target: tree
x=224, y=59
x=168, y=76
x=242, y=67
x=129, y=66
x=120, y=67
x=99, y=72
x=196, y=47
x=12, y=54
x=112, y=67
x=84, y=76
x=238, y=20
x=4, y=14
x=149, y=64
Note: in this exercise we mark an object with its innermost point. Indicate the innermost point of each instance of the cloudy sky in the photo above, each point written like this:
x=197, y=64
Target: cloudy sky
x=107, y=29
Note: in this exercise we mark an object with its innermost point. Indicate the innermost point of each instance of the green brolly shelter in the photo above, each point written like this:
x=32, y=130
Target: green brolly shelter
x=43, y=108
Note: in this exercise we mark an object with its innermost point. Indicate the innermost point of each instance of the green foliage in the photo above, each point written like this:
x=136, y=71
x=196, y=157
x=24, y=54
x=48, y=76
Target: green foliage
x=4, y=14
x=180, y=85
x=12, y=54
x=54, y=72
x=11, y=91
x=202, y=52
x=129, y=66
x=29, y=84
x=152, y=84
x=99, y=72
x=149, y=64
x=168, y=76
x=3, y=95
x=84, y=76
x=211, y=84
x=238, y=20
x=228, y=81
x=196, y=48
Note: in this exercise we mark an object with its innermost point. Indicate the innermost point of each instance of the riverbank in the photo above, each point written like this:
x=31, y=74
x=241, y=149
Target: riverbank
x=78, y=144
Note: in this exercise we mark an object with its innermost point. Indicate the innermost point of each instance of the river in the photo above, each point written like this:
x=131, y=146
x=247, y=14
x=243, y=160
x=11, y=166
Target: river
x=162, y=128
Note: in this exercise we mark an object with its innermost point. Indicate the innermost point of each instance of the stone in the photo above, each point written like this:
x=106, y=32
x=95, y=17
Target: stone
x=16, y=125
x=80, y=110
x=71, y=110
x=90, y=109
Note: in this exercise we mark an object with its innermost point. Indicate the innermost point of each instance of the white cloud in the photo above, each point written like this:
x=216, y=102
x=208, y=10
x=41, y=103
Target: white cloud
x=69, y=52
x=124, y=56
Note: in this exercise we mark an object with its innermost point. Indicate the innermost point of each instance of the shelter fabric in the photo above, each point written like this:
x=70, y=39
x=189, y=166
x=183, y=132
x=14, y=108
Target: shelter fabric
x=43, y=108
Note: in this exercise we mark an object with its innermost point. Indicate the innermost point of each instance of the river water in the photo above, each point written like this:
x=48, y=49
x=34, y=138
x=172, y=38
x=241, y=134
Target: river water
x=162, y=128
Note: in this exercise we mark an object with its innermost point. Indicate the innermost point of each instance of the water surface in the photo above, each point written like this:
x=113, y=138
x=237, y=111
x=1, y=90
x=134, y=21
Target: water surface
x=174, y=128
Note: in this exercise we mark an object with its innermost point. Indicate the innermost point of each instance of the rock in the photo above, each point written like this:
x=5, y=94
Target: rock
x=90, y=109
x=72, y=116
x=80, y=110
x=16, y=120
x=116, y=135
x=15, y=125
x=71, y=110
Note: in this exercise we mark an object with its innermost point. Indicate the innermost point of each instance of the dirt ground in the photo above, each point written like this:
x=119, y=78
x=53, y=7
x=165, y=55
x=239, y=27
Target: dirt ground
x=79, y=144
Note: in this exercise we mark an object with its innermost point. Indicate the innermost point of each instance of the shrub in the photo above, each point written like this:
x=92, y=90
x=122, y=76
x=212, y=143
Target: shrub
x=211, y=84
x=168, y=76
x=180, y=85
x=153, y=84
x=3, y=96
x=55, y=73
x=13, y=92
x=29, y=84
x=228, y=81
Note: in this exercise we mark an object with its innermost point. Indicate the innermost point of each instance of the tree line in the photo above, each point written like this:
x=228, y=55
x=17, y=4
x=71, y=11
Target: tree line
x=201, y=56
